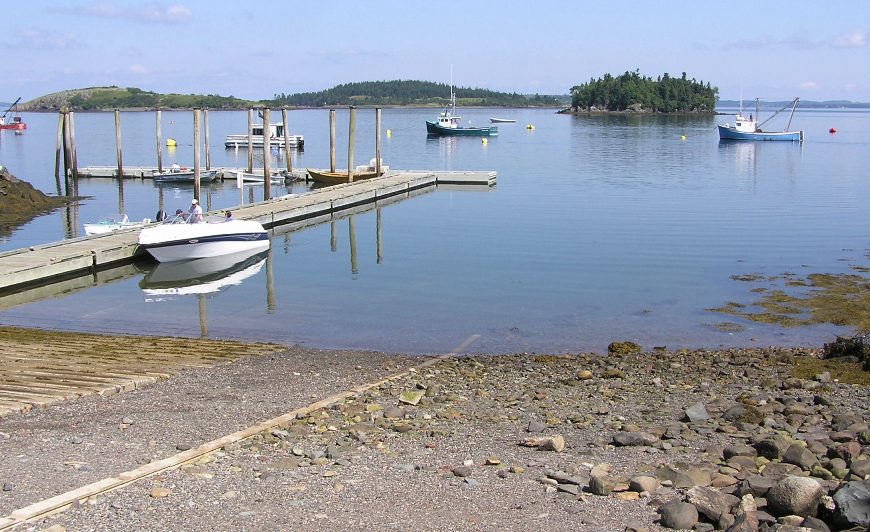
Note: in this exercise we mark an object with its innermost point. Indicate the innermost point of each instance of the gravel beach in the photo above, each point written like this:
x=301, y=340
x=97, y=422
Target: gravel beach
x=515, y=442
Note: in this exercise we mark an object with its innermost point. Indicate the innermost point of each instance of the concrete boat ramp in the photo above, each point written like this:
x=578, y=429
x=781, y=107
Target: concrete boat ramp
x=48, y=263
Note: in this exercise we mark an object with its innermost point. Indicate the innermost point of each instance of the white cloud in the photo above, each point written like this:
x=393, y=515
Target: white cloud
x=35, y=39
x=138, y=69
x=148, y=12
x=809, y=85
x=854, y=39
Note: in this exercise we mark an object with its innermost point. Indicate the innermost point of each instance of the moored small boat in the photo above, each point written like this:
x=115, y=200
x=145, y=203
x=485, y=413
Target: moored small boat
x=502, y=120
x=183, y=175
x=338, y=178
x=113, y=222
x=169, y=242
x=749, y=128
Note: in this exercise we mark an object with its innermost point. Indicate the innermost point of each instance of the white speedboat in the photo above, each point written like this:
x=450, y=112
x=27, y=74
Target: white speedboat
x=169, y=242
x=113, y=222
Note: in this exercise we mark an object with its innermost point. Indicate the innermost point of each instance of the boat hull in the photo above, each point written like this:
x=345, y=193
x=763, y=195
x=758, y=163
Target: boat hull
x=338, y=178
x=16, y=126
x=729, y=133
x=175, y=242
x=184, y=177
x=502, y=120
x=433, y=128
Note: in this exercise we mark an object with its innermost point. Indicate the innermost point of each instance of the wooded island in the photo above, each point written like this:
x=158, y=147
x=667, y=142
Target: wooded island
x=631, y=92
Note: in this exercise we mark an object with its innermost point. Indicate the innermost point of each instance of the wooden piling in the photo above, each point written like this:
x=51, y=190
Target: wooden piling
x=332, y=140
x=72, y=139
x=207, y=152
x=250, y=141
x=196, y=166
x=267, y=154
x=270, y=282
x=378, y=234
x=159, y=142
x=118, y=144
x=67, y=151
x=350, y=134
x=378, y=141
x=286, y=139
x=57, y=152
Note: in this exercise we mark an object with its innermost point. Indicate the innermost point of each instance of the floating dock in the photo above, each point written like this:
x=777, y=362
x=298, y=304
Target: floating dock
x=48, y=263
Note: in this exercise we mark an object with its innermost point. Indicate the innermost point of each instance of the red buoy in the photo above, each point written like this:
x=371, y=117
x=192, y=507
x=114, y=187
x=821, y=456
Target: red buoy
x=832, y=130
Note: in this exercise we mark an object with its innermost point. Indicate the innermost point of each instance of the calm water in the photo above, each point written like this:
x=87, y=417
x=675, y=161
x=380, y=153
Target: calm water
x=600, y=229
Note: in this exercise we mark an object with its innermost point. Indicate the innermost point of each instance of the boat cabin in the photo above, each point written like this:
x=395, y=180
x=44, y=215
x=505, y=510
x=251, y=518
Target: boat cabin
x=445, y=119
x=275, y=130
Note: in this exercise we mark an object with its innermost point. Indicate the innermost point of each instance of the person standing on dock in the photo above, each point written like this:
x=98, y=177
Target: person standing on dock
x=195, y=211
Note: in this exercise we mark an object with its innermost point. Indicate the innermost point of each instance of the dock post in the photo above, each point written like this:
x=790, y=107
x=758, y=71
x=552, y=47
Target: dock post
x=118, y=144
x=57, y=152
x=67, y=151
x=251, y=141
x=159, y=144
x=196, y=169
x=205, y=126
x=350, y=133
x=72, y=139
x=267, y=153
x=286, y=139
x=333, y=236
x=332, y=141
x=377, y=141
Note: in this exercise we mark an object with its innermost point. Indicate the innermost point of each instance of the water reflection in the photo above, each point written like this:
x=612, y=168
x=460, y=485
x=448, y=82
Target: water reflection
x=747, y=156
x=201, y=276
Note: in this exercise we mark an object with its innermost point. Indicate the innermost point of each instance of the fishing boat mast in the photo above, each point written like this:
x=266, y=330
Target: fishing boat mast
x=793, y=107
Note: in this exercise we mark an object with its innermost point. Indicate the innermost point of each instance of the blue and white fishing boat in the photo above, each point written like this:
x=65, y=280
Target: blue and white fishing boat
x=450, y=124
x=749, y=128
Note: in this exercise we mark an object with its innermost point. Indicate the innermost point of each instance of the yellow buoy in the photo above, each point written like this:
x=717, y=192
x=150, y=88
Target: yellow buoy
x=389, y=132
x=484, y=141
x=682, y=137
x=530, y=126
x=171, y=142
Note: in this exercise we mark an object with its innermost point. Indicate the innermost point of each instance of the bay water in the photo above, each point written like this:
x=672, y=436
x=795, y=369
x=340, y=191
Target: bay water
x=600, y=228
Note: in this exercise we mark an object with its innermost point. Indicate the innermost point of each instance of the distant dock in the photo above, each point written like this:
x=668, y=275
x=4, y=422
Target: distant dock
x=47, y=263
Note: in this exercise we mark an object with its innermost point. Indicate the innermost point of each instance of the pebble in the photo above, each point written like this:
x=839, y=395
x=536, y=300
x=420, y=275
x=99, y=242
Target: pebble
x=76, y=440
x=159, y=493
x=7, y=486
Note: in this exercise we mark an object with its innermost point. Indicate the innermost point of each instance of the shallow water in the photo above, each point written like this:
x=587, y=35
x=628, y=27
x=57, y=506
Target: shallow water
x=599, y=229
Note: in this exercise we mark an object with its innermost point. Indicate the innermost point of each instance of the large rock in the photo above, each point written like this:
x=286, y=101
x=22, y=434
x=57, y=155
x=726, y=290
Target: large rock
x=853, y=505
x=697, y=412
x=800, y=456
x=795, y=496
x=678, y=515
x=629, y=439
x=21, y=202
x=773, y=447
x=711, y=502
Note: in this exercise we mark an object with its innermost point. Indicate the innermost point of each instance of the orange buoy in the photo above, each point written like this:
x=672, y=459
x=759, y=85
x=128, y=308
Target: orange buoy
x=832, y=130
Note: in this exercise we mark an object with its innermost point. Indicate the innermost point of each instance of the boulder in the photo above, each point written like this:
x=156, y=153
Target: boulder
x=795, y=496
x=678, y=515
x=711, y=502
x=853, y=505
x=800, y=456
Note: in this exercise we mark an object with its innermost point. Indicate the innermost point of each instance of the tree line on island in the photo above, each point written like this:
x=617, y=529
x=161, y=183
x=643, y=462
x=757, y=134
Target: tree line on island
x=633, y=92
x=627, y=92
x=410, y=93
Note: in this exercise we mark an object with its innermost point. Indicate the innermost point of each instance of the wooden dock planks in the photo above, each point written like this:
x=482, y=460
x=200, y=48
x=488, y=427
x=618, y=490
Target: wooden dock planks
x=39, y=368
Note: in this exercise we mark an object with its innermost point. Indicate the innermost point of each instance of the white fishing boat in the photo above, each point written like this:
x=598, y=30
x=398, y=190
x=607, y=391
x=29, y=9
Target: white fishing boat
x=173, y=241
x=113, y=222
x=276, y=138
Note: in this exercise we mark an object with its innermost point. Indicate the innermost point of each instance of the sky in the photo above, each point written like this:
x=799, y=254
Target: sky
x=770, y=49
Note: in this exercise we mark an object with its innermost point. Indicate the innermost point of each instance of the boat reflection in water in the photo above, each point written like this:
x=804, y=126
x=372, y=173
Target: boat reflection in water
x=169, y=280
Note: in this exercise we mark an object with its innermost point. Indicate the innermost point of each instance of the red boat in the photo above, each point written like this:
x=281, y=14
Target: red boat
x=14, y=122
